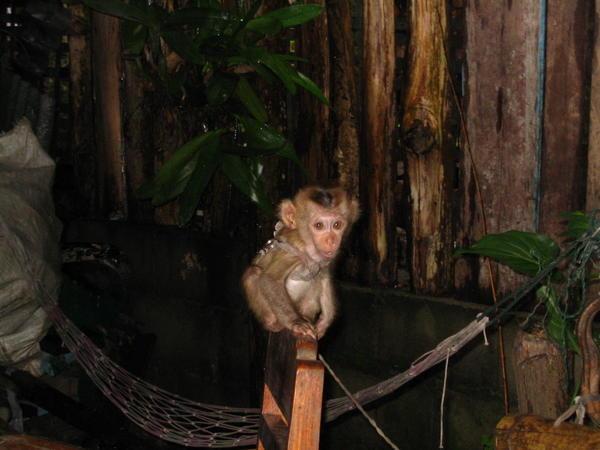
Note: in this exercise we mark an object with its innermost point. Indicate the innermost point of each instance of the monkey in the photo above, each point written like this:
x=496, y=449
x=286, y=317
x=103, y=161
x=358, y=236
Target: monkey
x=288, y=284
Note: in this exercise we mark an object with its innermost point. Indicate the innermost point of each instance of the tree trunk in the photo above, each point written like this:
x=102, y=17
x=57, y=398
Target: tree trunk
x=106, y=56
x=540, y=376
x=428, y=167
x=593, y=169
x=378, y=133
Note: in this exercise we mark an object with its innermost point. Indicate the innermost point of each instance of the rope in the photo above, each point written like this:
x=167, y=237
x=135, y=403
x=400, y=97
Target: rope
x=357, y=405
x=186, y=422
x=442, y=401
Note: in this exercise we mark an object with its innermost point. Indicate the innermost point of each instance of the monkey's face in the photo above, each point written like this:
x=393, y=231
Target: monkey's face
x=326, y=230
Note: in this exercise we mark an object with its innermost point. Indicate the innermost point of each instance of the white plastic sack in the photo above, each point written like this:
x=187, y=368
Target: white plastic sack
x=29, y=246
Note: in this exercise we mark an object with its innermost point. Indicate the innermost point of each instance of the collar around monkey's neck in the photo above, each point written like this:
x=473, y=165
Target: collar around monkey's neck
x=282, y=241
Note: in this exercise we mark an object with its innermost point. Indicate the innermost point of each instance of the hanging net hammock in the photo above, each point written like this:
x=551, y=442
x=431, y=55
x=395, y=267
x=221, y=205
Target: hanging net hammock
x=176, y=419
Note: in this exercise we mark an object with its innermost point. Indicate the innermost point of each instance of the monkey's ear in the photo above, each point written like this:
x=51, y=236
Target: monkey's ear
x=287, y=214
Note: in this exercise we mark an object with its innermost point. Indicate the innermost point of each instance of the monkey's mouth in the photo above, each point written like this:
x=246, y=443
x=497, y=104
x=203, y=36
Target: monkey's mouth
x=328, y=255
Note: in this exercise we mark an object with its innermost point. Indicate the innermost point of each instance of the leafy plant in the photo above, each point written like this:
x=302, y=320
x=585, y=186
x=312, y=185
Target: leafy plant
x=213, y=57
x=563, y=291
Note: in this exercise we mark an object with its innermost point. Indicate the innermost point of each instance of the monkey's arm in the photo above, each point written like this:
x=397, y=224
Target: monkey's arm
x=270, y=288
x=328, y=306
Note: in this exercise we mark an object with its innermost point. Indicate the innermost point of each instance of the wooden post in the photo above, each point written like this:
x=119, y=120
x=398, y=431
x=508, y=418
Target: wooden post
x=563, y=162
x=540, y=376
x=379, y=123
x=344, y=95
x=314, y=132
x=427, y=163
x=593, y=166
x=82, y=138
x=106, y=48
x=502, y=88
x=293, y=395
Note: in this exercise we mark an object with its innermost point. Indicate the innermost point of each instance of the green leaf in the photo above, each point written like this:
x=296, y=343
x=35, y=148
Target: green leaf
x=134, y=36
x=288, y=151
x=122, y=10
x=220, y=88
x=206, y=164
x=577, y=223
x=200, y=17
x=265, y=25
x=250, y=100
x=184, y=46
x=245, y=174
x=173, y=176
x=302, y=80
x=522, y=251
x=295, y=14
x=258, y=56
x=260, y=135
x=558, y=328
x=282, y=69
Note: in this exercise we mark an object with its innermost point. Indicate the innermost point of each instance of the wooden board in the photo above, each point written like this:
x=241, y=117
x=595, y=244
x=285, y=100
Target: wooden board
x=535, y=433
x=293, y=395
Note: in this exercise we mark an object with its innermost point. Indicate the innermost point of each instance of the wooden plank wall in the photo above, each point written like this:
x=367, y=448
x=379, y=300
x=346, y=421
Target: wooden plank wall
x=563, y=169
x=527, y=88
x=501, y=93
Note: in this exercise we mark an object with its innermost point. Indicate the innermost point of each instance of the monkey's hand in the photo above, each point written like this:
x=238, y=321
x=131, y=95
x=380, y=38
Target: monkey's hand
x=303, y=328
x=321, y=327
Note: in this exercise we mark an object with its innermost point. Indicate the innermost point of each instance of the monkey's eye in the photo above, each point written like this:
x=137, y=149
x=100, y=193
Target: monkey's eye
x=318, y=226
x=337, y=225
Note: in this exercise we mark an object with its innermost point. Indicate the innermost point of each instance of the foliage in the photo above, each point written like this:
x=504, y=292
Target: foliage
x=212, y=57
x=563, y=291
x=488, y=443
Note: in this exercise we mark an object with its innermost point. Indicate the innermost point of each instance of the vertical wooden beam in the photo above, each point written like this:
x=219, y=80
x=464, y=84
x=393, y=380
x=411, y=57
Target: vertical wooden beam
x=593, y=165
x=82, y=138
x=314, y=132
x=379, y=122
x=427, y=164
x=344, y=95
x=106, y=61
x=565, y=112
x=502, y=41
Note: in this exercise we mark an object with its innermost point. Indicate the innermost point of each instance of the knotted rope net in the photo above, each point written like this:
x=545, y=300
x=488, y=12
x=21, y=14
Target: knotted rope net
x=180, y=420
x=159, y=412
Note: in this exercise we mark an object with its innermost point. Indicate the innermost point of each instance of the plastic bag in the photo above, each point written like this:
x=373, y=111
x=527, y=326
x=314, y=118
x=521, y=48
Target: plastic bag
x=29, y=247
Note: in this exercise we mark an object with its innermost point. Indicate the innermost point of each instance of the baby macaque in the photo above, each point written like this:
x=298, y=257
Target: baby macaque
x=288, y=285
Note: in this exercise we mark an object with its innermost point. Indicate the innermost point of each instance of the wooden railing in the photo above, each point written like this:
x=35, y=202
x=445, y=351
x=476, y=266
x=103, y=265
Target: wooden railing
x=293, y=395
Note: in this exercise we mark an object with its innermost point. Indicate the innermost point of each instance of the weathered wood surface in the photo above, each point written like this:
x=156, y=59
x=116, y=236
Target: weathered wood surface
x=565, y=113
x=344, y=95
x=540, y=376
x=428, y=166
x=293, y=395
x=590, y=355
x=24, y=442
x=82, y=136
x=535, y=433
x=501, y=119
x=315, y=127
x=106, y=63
x=593, y=169
x=378, y=129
